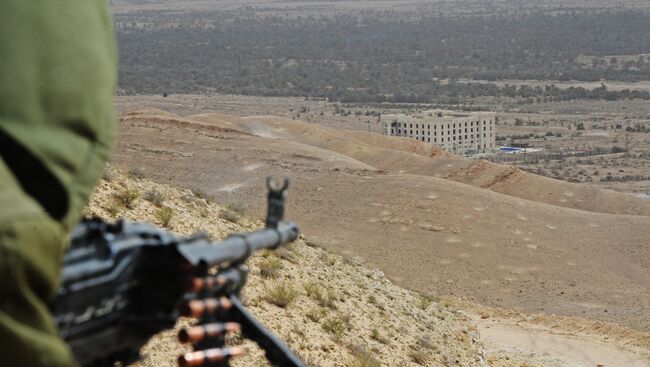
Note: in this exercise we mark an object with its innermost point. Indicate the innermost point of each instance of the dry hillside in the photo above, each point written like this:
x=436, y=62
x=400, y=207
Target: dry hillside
x=427, y=233
x=404, y=155
x=343, y=314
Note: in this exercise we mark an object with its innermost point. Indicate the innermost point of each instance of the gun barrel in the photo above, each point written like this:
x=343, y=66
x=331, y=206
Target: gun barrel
x=238, y=247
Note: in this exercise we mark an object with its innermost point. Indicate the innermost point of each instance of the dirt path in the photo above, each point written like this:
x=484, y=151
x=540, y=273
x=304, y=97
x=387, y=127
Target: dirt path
x=573, y=351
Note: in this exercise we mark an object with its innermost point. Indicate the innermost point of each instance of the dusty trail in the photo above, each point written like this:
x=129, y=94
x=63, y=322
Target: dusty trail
x=568, y=350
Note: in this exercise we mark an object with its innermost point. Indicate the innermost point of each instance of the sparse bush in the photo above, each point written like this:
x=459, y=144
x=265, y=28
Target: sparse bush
x=113, y=207
x=127, y=197
x=281, y=294
x=237, y=207
x=327, y=300
x=361, y=358
x=335, y=326
x=316, y=314
x=617, y=149
x=230, y=215
x=374, y=334
x=313, y=291
x=424, y=301
x=108, y=175
x=155, y=197
x=136, y=172
x=164, y=215
x=419, y=356
x=201, y=194
x=270, y=267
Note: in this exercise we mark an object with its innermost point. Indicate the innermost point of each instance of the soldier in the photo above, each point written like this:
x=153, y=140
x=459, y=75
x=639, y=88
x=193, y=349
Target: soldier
x=57, y=77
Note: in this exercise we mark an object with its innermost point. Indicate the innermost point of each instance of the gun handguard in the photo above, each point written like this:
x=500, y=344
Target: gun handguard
x=124, y=282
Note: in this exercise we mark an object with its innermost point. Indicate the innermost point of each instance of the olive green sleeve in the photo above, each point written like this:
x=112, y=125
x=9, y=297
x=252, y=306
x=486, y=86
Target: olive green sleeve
x=57, y=77
x=58, y=72
x=31, y=247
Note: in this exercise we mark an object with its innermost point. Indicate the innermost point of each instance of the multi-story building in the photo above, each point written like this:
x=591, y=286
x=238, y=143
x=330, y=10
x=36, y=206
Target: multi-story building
x=458, y=132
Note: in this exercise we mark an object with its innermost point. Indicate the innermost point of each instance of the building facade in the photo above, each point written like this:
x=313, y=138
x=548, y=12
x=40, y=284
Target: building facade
x=457, y=132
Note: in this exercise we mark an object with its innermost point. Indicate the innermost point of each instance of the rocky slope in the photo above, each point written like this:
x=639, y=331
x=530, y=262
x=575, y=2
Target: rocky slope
x=343, y=315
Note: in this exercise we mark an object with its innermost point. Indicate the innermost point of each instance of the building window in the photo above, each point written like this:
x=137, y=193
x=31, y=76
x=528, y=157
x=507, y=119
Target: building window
x=428, y=140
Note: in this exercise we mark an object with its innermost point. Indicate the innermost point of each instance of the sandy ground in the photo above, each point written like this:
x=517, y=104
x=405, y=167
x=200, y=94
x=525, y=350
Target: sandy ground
x=568, y=349
x=397, y=214
x=427, y=233
x=386, y=325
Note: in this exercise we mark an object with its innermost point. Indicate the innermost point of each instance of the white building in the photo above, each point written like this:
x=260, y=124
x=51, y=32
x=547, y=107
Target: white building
x=458, y=132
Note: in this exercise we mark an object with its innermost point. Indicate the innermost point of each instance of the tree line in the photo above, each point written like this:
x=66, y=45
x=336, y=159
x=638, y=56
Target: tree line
x=378, y=57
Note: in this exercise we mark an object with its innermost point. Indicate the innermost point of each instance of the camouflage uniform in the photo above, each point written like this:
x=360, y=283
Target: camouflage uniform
x=57, y=76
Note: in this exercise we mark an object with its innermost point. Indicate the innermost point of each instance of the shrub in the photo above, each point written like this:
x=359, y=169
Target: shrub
x=419, y=356
x=113, y=208
x=136, y=172
x=127, y=197
x=201, y=194
x=155, y=197
x=108, y=175
x=361, y=358
x=328, y=299
x=313, y=291
x=334, y=326
x=316, y=314
x=237, y=207
x=270, y=267
x=281, y=294
x=424, y=301
x=230, y=215
x=164, y=215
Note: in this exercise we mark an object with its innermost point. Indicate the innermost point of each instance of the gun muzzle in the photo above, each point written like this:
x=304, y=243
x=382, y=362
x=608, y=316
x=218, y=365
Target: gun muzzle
x=209, y=356
x=198, y=333
x=199, y=307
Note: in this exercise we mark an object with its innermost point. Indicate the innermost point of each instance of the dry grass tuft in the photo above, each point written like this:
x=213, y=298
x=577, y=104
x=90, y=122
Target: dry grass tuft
x=155, y=197
x=281, y=294
x=164, y=215
x=127, y=197
x=270, y=267
x=362, y=358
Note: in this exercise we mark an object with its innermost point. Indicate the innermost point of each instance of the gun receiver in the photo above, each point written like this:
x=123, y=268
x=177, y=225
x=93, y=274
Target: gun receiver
x=124, y=282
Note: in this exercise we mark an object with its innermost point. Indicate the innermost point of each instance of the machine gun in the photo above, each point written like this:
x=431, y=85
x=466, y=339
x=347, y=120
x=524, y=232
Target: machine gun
x=124, y=282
